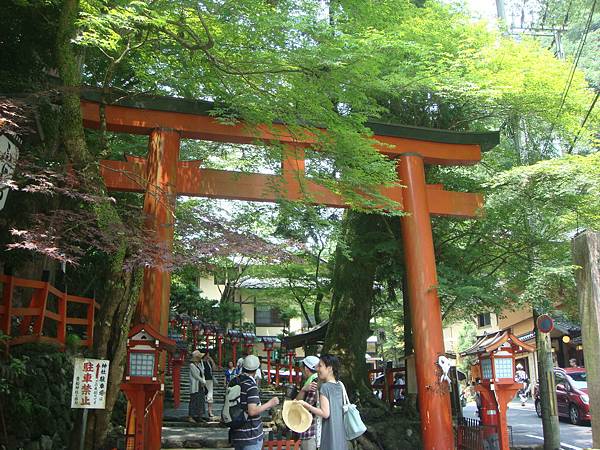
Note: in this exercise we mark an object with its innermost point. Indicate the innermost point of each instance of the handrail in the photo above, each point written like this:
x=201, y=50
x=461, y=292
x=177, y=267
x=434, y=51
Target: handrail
x=34, y=314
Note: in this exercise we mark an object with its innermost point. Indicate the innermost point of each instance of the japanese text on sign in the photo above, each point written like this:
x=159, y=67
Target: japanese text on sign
x=9, y=154
x=90, y=379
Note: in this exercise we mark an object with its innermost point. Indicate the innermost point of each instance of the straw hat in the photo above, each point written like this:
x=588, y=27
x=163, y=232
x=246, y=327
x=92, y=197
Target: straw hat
x=296, y=417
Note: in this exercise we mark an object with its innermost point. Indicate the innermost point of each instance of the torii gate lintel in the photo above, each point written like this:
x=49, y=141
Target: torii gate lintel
x=162, y=177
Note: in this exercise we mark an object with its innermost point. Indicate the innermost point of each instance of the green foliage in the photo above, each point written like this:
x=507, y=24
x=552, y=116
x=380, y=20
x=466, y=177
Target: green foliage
x=466, y=338
x=187, y=298
x=36, y=395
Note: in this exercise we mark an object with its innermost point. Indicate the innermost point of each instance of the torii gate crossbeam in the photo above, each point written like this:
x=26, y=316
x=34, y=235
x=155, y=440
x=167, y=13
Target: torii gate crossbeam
x=162, y=177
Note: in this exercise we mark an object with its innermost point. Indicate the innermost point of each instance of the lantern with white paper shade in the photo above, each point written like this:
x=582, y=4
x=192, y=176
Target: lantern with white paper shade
x=143, y=351
x=504, y=365
x=487, y=373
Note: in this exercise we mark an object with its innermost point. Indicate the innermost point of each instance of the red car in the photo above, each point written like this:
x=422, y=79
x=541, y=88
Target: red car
x=572, y=400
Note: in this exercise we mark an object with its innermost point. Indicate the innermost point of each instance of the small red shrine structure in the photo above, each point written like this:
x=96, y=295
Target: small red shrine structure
x=496, y=366
x=161, y=177
x=143, y=380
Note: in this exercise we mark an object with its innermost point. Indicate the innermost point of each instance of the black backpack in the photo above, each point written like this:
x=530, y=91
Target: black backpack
x=234, y=414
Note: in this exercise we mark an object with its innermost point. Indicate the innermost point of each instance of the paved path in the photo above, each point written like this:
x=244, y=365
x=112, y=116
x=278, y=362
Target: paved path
x=527, y=427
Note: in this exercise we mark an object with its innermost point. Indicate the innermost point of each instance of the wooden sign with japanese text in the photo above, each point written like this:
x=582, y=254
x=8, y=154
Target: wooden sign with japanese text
x=90, y=379
x=9, y=154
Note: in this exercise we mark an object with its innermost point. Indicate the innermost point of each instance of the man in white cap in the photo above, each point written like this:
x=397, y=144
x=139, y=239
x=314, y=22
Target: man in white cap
x=250, y=435
x=308, y=393
x=197, y=384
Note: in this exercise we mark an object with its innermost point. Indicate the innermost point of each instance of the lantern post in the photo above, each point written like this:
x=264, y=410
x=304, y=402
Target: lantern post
x=184, y=323
x=209, y=331
x=496, y=364
x=142, y=378
x=291, y=353
x=249, y=342
x=220, y=347
x=177, y=360
x=234, y=339
x=196, y=325
x=268, y=343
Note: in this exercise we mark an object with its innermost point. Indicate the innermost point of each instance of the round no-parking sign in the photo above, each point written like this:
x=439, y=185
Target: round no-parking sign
x=545, y=323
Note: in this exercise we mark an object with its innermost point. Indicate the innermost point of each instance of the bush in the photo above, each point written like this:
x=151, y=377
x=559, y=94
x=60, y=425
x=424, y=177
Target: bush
x=35, y=392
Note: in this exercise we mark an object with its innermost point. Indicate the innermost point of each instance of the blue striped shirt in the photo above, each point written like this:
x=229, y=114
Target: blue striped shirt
x=252, y=431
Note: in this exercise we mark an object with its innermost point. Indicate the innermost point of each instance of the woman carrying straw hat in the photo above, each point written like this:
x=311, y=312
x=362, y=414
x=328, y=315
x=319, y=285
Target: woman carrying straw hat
x=197, y=385
x=333, y=436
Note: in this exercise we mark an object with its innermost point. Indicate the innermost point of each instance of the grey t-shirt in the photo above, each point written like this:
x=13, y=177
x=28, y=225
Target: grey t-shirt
x=333, y=436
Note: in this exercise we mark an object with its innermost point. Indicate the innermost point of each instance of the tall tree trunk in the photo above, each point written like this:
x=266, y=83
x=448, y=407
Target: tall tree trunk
x=317, y=308
x=120, y=292
x=356, y=261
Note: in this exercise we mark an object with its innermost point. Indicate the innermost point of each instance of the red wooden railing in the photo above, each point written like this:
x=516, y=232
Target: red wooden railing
x=31, y=327
x=281, y=445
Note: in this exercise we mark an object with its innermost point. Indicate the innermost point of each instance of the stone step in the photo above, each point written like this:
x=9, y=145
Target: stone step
x=191, y=437
x=182, y=423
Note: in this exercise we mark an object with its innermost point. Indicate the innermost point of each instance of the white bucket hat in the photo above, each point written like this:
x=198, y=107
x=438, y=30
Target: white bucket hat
x=296, y=417
x=251, y=363
x=311, y=362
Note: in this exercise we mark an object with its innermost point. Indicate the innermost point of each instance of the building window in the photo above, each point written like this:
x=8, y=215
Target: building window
x=267, y=316
x=484, y=320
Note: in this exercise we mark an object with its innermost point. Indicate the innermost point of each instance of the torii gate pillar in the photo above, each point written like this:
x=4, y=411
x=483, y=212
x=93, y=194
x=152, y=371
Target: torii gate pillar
x=159, y=211
x=426, y=317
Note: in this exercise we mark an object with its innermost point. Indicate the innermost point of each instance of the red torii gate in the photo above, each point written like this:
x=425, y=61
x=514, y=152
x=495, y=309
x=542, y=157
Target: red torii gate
x=162, y=177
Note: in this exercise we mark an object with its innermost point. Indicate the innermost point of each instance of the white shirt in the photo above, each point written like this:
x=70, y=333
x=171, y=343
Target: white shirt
x=196, y=377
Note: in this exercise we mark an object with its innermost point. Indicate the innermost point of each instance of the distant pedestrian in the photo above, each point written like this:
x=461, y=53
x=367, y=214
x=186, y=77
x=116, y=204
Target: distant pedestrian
x=309, y=393
x=230, y=372
x=399, y=385
x=331, y=399
x=209, y=367
x=573, y=363
x=258, y=376
x=250, y=435
x=240, y=362
x=197, y=388
x=522, y=377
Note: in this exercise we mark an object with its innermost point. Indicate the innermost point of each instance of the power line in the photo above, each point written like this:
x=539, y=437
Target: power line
x=589, y=112
x=576, y=62
x=572, y=71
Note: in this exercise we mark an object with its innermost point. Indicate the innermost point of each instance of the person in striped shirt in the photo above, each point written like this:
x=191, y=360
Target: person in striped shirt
x=309, y=394
x=250, y=435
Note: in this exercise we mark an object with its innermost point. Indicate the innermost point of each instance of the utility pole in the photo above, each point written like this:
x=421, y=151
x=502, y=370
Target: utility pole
x=547, y=388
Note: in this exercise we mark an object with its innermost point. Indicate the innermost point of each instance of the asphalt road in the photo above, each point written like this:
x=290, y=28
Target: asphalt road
x=527, y=427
